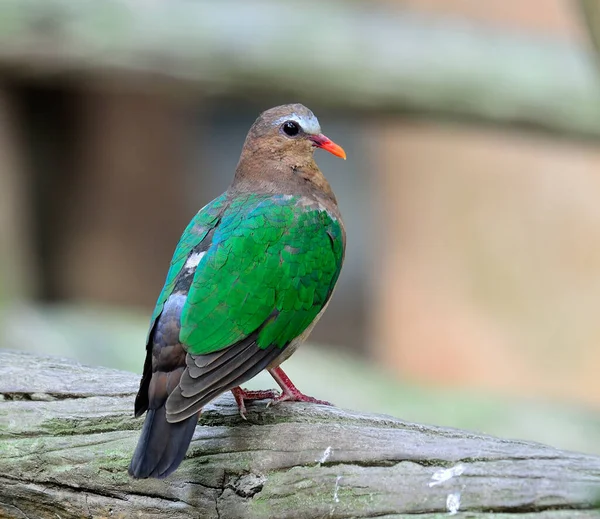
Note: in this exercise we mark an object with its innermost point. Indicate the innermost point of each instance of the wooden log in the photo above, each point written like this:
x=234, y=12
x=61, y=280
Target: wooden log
x=67, y=434
x=345, y=54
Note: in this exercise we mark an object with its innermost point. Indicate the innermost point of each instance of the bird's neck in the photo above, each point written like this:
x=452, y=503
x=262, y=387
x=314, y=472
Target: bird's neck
x=281, y=175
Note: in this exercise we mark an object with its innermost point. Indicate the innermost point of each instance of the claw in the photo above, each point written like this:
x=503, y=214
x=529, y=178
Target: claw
x=242, y=396
x=296, y=397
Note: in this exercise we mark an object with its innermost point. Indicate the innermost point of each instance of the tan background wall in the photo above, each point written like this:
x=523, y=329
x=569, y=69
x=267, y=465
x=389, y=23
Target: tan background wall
x=490, y=249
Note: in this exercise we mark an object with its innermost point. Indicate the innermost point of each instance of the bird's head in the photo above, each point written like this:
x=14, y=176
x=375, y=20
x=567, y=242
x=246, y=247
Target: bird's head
x=281, y=144
x=291, y=130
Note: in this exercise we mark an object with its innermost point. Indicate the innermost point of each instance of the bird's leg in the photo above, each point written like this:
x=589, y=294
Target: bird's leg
x=243, y=395
x=290, y=392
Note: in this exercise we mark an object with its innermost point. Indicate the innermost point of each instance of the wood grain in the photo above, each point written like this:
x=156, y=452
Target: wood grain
x=67, y=434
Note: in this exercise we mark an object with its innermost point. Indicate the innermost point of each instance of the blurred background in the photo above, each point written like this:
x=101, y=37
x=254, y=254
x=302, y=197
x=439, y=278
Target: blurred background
x=470, y=296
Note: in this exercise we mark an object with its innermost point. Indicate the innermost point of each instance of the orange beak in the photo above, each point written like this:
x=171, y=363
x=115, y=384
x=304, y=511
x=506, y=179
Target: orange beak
x=320, y=141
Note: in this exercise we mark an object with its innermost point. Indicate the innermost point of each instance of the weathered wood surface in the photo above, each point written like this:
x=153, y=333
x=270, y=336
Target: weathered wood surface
x=346, y=54
x=67, y=432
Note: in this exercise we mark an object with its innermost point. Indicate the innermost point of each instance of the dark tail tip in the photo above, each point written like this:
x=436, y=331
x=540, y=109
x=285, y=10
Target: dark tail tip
x=162, y=445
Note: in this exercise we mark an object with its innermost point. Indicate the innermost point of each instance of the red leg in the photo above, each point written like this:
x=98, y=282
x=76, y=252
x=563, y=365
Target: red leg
x=290, y=392
x=242, y=396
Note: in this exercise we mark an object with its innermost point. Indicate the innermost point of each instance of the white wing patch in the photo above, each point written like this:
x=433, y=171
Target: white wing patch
x=193, y=260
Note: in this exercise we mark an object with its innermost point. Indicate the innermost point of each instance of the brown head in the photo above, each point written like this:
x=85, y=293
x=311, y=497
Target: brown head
x=278, y=152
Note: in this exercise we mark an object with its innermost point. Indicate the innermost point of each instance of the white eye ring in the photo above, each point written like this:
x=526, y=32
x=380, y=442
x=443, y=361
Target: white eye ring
x=308, y=124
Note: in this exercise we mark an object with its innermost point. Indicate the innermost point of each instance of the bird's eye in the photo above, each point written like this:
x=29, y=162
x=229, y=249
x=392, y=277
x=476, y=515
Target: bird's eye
x=290, y=128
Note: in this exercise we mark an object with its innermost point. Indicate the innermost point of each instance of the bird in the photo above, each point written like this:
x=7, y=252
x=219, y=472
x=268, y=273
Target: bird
x=251, y=275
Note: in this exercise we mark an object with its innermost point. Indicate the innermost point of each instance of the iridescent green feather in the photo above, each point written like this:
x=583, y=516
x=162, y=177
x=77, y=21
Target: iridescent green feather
x=193, y=234
x=272, y=265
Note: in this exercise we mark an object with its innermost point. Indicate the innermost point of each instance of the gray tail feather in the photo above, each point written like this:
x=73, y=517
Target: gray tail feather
x=162, y=445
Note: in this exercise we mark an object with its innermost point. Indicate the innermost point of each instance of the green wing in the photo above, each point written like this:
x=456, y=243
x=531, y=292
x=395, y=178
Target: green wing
x=196, y=231
x=270, y=270
x=265, y=272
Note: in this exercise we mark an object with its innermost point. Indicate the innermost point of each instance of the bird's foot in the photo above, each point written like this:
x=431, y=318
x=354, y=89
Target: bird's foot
x=242, y=396
x=289, y=392
x=296, y=396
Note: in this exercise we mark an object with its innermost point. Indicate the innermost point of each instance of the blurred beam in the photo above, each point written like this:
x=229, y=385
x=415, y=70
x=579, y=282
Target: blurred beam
x=591, y=15
x=49, y=126
x=18, y=275
x=354, y=55
x=122, y=218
